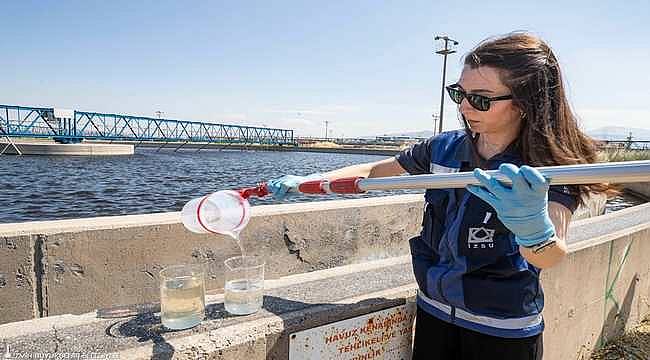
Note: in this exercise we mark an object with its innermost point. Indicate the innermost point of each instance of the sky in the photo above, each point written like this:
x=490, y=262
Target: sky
x=364, y=67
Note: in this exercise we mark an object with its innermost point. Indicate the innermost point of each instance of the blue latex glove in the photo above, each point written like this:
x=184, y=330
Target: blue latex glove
x=280, y=187
x=523, y=208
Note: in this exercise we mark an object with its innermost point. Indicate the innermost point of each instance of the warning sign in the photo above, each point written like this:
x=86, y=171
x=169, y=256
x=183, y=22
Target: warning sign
x=385, y=334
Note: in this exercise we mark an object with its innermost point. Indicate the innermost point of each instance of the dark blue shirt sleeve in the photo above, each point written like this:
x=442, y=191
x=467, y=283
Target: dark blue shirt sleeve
x=563, y=195
x=416, y=159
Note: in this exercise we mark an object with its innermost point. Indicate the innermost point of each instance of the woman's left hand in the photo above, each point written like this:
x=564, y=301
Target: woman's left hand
x=522, y=208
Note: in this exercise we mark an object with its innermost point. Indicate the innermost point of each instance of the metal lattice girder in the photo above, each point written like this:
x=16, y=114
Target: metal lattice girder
x=28, y=121
x=40, y=122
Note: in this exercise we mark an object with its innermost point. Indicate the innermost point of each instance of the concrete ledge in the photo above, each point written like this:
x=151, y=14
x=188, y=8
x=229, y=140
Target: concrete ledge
x=84, y=264
x=52, y=148
x=291, y=304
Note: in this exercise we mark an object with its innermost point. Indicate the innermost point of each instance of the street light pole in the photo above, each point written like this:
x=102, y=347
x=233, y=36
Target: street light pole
x=435, y=121
x=444, y=52
x=326, y=122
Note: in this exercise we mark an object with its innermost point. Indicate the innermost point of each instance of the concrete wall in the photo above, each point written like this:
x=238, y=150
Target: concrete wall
x=642, y=189
x=39, y=147
x=85, y=264
x=18, y=285
x=601, y=289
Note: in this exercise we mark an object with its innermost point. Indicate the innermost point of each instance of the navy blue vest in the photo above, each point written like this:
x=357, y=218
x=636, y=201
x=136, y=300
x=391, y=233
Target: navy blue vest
x=466, y=262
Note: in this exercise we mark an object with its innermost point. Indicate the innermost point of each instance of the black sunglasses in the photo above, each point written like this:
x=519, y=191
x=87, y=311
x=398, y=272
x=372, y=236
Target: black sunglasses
x=478, y=102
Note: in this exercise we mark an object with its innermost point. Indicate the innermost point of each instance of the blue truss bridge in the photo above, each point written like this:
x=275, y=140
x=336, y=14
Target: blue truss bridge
x=70, y=126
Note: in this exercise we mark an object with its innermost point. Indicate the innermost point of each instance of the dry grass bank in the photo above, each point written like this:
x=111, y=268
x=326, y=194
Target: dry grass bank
x=619, y=154
x=634, y=345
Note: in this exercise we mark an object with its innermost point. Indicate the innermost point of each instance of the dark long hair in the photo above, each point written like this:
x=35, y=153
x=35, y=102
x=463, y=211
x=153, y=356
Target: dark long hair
x=549, y=134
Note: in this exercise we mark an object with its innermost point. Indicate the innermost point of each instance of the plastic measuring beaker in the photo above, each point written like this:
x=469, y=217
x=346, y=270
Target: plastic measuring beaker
x=182, y=296
x=223, y=212
x=244, y=287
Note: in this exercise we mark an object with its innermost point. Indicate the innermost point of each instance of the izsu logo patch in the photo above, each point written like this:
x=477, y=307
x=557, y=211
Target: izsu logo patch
x=481, y=237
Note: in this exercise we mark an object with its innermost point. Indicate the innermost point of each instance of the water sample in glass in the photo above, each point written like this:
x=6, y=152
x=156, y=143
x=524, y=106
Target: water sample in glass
x=244, y=288
x=182, y=296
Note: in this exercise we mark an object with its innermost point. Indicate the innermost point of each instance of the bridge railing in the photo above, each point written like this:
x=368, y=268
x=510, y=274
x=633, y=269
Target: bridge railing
x=41, y=122
x=27, y=121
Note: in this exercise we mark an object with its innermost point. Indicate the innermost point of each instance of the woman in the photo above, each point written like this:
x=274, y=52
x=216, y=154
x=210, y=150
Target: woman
x=478, y=258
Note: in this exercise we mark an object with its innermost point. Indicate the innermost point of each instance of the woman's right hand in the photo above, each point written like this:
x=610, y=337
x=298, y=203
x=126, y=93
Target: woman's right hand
x=521, y=207
x=289, y=183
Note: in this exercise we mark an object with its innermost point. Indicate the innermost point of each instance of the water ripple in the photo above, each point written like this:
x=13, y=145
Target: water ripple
x=56, y=187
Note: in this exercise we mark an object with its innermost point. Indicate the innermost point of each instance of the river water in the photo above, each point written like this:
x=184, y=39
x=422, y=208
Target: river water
x=34, y=188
